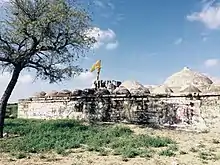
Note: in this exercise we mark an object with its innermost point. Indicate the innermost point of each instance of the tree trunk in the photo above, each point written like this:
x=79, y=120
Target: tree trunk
x=6, y=96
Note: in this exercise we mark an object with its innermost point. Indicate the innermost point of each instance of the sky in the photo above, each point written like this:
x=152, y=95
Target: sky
x=142, y=40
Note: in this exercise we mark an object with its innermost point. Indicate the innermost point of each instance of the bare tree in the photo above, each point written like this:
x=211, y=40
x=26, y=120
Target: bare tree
x=45, y=36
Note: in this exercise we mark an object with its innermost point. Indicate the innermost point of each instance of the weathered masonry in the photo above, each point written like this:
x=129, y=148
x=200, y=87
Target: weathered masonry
x=196, y=113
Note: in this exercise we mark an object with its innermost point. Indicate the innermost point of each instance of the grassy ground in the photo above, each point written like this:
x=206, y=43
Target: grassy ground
x=40, y=136
x=67, y=142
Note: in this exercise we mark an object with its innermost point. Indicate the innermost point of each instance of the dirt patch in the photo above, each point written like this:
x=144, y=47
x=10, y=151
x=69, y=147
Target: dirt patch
x=193, y=149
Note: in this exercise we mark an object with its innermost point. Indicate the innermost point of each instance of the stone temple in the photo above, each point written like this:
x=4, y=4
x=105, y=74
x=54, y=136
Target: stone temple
x=187, y=100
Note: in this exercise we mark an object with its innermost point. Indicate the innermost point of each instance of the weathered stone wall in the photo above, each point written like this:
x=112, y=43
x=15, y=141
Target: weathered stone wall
x=191, y=113
x=210, y=112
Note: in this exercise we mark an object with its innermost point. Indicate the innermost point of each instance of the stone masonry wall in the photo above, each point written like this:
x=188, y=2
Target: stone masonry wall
x=182, y=112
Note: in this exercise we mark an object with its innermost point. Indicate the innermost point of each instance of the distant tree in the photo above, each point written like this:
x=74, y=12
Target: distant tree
x=45, y=36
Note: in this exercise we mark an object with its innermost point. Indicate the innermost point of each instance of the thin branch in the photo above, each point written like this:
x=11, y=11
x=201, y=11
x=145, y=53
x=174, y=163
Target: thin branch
x=5, y=42
x=46, y=69
x=4, y=59
x=22, y=44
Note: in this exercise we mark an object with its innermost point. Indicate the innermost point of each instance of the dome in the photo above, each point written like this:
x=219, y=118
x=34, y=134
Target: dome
x=187, y=77
x=214, y=88
x=121, y=90
x=162, y=89
x=150, y=87
x=190, y=89
x=140, y=91
x=52, y=93
x=39, y=94
x=64, y=93
x=131, y=85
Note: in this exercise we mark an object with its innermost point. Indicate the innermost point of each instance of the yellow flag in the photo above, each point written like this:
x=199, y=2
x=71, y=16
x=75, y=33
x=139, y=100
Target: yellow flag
x=95, y=66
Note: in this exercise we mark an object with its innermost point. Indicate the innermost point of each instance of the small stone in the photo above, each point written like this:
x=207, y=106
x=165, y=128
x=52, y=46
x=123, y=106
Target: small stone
x=5, y=134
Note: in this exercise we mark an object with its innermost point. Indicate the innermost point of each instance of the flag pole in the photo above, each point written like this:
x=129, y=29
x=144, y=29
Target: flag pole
x=98, y=70
x=98, y=74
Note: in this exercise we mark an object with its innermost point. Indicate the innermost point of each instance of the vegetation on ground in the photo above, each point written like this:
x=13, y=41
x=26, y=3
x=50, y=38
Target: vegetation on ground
x=11, y=110
x=39, y=136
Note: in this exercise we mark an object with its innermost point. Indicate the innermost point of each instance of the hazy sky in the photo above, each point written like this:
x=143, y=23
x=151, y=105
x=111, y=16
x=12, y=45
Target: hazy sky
x=144, y=40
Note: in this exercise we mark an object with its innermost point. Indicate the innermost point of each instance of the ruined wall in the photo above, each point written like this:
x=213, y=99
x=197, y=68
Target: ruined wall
x=210, y=112
x=191, y=113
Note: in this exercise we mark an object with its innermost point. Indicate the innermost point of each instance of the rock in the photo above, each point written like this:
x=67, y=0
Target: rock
x=5, y=134
x=76, y=92
x=121, y=91
x=52, y=94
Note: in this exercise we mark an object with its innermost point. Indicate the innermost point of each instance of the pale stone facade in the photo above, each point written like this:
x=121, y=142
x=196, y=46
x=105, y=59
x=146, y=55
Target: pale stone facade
x=196, y=113
x=168, y=104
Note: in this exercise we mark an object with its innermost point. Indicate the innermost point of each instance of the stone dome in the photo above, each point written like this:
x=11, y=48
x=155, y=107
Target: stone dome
x=131, y=85
x=187, y=77
x=162, y=89
x=39, y=94
x=190, y=89
x=214, y=88
x=121, y=90
x=140, y=91
x=64, y=93
x=52, y=93
x=150, y=87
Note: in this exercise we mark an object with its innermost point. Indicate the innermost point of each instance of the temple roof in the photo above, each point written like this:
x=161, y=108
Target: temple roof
x=130, y=84
x=187, y=77
x=162, y=89
x=190, y=89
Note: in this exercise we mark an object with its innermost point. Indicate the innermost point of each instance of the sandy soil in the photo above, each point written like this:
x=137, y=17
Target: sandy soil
x=194, y=149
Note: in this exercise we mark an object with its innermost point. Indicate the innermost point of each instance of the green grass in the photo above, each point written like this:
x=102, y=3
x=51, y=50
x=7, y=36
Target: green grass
x=38, y=136
x=11, y=110
x=167, y=152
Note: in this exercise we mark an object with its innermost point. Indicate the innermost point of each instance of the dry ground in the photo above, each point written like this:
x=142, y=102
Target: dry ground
x=194, y=149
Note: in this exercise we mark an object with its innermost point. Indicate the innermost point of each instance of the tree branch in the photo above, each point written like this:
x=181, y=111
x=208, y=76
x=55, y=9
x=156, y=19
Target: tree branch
x=5, y=60
x=5, y=42
x=47, y=70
